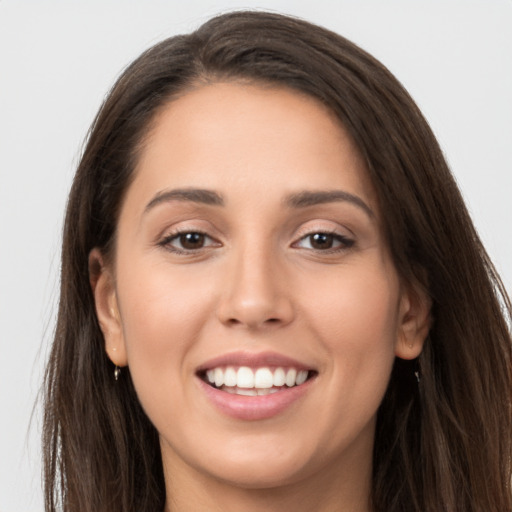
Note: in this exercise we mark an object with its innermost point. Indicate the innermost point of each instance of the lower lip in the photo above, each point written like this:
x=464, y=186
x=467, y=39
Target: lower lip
x=252, y=408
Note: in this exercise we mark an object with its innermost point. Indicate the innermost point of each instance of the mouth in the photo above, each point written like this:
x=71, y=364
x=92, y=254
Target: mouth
x=255, y=381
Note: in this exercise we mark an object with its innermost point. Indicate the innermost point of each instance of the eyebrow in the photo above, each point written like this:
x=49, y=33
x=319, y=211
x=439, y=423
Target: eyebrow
x=296, y=200
x=310, y=198
x=196, y=195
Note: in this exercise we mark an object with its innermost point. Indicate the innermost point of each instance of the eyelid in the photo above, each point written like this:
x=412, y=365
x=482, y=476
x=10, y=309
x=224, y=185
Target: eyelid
x=328, y=227
x=347, y=240
x=178, y=225
x=166, y=239
x=344, y=242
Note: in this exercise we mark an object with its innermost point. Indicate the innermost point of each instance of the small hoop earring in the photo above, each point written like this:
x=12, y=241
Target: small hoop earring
x=117, y=372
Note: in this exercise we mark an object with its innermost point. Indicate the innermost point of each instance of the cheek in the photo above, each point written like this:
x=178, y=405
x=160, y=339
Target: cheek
x=356, y=305
x=162, y=314
x=355, y=316
x=158, y=305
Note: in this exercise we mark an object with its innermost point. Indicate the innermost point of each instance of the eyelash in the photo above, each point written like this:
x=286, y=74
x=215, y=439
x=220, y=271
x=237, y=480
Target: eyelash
x=345, y=242
x=166, y=242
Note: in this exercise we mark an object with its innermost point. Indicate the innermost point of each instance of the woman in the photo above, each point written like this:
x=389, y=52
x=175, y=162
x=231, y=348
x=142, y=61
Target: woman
x=272, y=294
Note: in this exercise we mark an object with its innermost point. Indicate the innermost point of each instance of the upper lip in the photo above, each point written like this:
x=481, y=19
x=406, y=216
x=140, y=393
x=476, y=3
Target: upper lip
x=253, y=360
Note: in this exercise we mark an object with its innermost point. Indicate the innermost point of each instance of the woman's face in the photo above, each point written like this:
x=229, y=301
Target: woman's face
x=250, y=253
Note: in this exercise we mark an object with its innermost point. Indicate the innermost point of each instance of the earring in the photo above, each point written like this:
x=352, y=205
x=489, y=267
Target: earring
x=417, y=375
x=117, y=372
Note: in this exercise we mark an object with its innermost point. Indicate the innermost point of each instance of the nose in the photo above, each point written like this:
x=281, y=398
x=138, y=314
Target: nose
x=256, y=292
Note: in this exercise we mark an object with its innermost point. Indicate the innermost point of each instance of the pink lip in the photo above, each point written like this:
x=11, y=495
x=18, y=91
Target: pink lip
x=251, y=408
x=253, y=360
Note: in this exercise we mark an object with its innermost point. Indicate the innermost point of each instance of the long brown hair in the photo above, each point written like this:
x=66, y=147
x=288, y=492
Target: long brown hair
x=441, y=445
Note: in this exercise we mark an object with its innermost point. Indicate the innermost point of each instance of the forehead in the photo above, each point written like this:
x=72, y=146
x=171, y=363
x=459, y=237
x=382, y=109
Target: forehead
x=236, y=137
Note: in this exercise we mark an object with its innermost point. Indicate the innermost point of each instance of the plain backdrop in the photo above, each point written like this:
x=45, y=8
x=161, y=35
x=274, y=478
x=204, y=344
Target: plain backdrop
x=58, y=60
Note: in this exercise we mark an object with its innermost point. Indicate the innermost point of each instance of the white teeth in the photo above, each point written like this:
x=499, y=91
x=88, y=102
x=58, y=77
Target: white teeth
x=301, y=377
x=263, y=379
x=269, y=391
x=230, y=376
x=279, y=377
x=291, y=375
x=219, y=377
x=245, y=377
x=247, y=392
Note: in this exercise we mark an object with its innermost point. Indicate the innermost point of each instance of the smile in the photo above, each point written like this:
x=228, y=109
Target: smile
x=248, y=381
x=254, y=386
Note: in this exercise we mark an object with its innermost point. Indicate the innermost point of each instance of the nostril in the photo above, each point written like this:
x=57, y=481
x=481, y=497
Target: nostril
x=255, y=312
x=269, y=321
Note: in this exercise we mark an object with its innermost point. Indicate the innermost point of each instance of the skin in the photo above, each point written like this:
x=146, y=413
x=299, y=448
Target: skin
x=257, y=284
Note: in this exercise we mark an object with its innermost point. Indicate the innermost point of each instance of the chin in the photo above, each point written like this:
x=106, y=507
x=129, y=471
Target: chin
x=270, y=475
x=252, y=463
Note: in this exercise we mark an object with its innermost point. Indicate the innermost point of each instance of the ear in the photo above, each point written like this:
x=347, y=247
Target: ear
x=414, y=322
x=102, y=283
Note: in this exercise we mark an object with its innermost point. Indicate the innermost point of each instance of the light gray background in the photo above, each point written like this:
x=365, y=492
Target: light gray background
x=58, y=59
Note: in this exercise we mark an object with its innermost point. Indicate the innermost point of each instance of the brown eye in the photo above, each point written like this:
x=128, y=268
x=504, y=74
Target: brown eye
x=188, y=242
x=321, y=241
x=324, y=241
x=191, y=240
